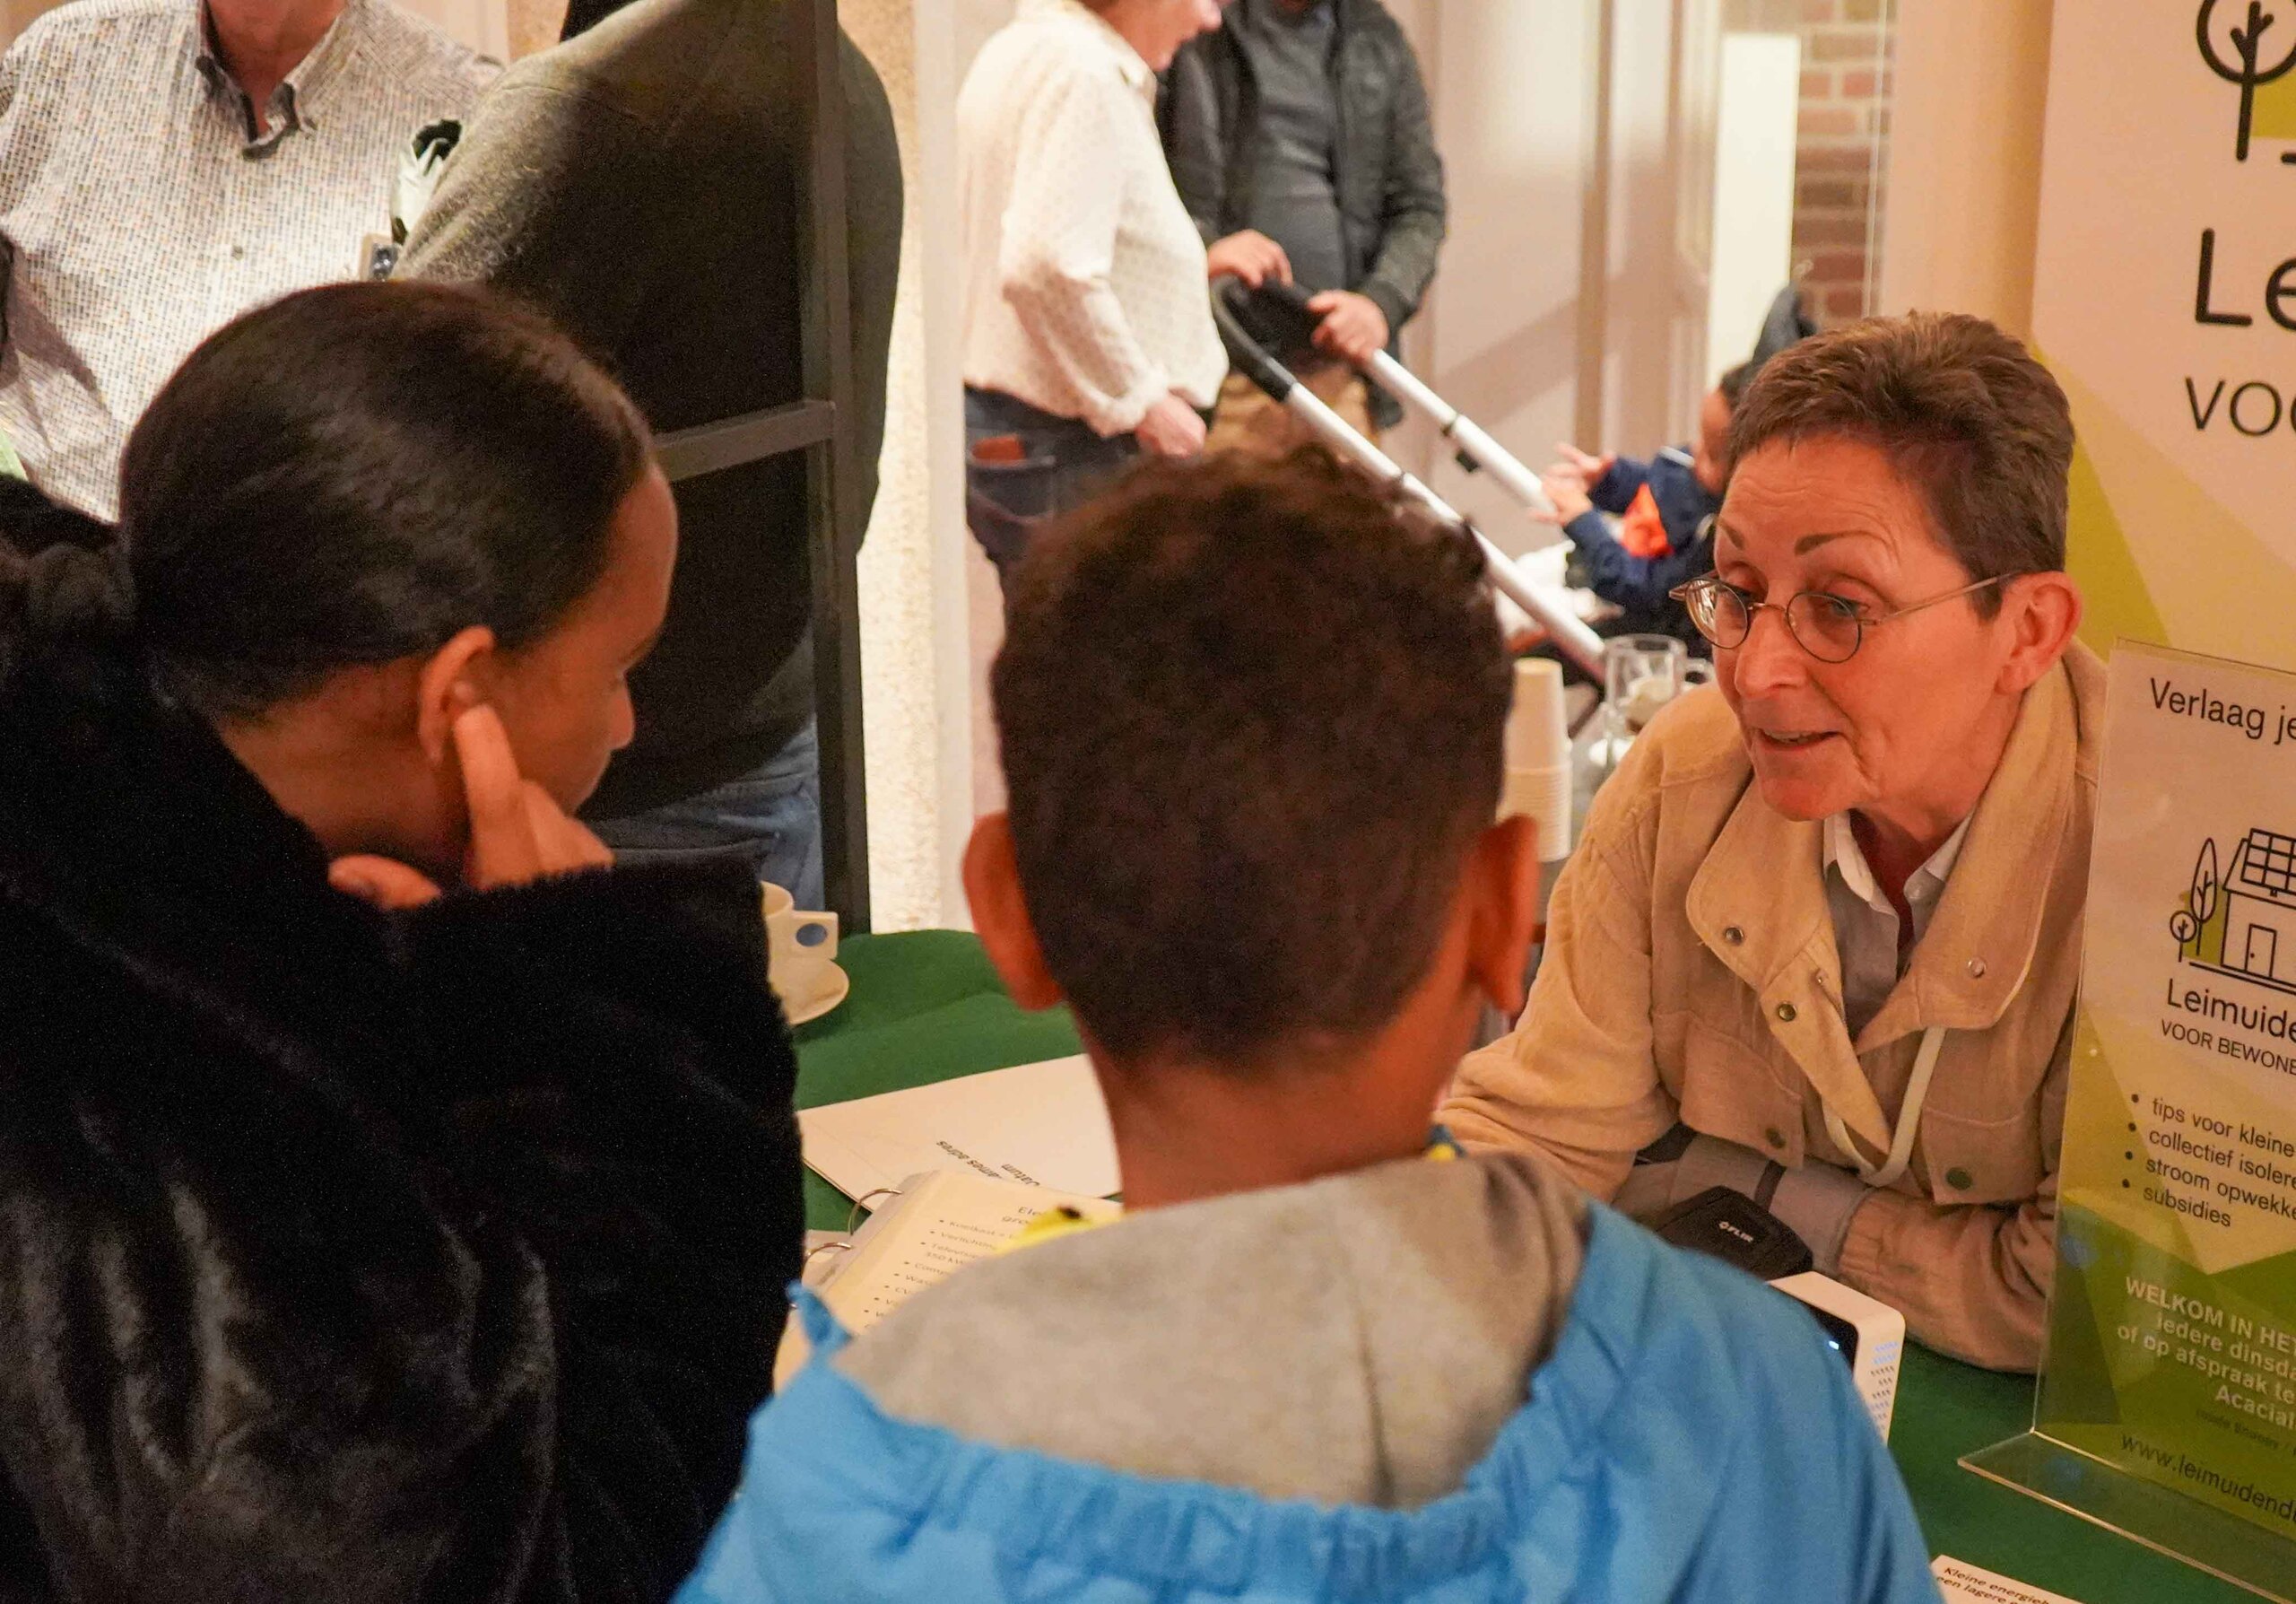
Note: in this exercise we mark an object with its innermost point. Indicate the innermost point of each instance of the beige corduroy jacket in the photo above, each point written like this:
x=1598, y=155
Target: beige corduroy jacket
x=1692, y=974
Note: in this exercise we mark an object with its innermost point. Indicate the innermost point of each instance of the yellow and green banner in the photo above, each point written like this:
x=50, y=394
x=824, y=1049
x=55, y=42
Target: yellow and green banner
x=2165, y=302
x=2172, y=1344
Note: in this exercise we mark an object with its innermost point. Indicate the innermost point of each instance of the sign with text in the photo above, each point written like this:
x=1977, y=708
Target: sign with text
x=2172, y=1336
x=2164, y=300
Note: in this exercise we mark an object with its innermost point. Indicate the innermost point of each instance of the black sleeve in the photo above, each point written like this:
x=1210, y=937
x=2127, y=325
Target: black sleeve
x=1188, y=120
x=874, y=197
x=261, y=1344
x=518, y=209
x=630, y=1114
x=618, y=1026
x=1415, y=210
x=445, y=1269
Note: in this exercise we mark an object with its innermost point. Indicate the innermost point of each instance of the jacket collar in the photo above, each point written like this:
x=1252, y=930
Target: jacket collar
x=1980, y=944
x=1758, y=903
x=307, y=85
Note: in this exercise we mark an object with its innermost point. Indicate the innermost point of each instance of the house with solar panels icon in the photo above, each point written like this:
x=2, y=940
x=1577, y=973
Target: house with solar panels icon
x=2243, y=922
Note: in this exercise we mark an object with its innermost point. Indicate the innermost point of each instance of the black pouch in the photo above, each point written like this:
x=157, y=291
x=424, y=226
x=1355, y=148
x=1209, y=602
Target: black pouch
x=1735, y=1229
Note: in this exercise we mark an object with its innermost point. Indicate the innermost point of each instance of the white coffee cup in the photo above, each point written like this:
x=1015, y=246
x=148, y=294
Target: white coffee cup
x=799, y=947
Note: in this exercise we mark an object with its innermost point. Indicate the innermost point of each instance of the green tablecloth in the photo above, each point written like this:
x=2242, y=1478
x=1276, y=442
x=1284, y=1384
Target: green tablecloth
x=927, y=1007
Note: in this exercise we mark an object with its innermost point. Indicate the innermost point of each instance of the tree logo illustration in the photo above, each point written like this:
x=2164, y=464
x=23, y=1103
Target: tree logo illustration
x=2200, y=901
x=2246, y=65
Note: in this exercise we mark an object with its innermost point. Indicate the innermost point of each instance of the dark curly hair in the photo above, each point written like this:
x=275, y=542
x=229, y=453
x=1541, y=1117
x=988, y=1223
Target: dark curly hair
x=1251, y=717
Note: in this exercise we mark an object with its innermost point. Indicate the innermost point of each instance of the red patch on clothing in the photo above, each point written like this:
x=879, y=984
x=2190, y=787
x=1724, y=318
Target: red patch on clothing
x=1642, y=532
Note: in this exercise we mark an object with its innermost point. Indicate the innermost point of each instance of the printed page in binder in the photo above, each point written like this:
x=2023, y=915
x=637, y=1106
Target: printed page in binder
x=1038, y=1124
x=943, y=1220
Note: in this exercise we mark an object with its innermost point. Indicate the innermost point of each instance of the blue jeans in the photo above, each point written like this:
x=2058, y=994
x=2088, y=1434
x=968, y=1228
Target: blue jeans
x=1061, y=465
x=771, y=815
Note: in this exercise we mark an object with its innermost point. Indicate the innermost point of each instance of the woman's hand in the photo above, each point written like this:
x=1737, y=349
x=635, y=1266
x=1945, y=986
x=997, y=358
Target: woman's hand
x=517, y=832
x=1251, y=256
x=1172, y=428
x=379, y=882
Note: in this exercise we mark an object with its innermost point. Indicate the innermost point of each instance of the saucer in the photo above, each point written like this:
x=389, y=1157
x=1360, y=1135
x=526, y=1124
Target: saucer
x=837, y=987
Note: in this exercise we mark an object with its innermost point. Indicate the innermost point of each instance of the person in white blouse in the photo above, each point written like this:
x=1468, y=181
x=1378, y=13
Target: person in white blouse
x=1088, y=331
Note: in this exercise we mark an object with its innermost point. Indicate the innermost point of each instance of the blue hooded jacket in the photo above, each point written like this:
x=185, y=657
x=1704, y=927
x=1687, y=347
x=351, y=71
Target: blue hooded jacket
x=1686, y=1436
x=1640, y=585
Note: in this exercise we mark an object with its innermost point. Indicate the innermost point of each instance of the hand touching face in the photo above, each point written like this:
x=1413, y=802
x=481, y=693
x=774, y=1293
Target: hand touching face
x=518, y=834
x=518, y=740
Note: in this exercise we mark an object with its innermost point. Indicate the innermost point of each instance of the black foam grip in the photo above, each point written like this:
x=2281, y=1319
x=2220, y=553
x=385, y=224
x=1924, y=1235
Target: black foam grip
x=1229, y=296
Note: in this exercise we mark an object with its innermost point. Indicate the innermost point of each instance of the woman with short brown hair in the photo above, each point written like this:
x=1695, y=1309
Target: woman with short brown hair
x=1820, y=941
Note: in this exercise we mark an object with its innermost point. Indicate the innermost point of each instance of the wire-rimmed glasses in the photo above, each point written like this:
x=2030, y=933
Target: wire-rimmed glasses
x=1830, y=628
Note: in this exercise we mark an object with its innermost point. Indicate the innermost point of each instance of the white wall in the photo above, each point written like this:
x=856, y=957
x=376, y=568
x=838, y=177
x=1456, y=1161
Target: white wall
x=915, y=657
x=1500, y=334
x=1757, y=109
x=1571, y=303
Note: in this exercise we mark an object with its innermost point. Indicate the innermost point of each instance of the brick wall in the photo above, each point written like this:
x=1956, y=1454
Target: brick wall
x=1842, y=151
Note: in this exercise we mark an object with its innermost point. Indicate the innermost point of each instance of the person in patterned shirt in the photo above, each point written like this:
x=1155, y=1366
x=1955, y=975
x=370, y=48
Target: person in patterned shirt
x=1087, y=327
x=166, y=164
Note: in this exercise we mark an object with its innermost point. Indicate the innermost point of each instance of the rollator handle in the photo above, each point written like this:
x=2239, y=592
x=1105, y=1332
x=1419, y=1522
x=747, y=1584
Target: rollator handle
x=1230, y=300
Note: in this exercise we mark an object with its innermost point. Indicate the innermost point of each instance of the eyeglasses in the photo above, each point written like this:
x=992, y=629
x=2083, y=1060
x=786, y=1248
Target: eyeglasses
x=1830, y=628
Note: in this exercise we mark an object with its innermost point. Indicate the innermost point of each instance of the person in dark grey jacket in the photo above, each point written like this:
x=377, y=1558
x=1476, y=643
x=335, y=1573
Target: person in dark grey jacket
x=643, y=184
x=1305, y=123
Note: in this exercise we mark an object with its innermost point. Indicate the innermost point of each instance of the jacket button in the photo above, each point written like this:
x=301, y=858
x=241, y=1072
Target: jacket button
x=1733, y=935
x=1774, y=1137
x=1785, y=1013
x=1976, y=969
x=1959, y=1180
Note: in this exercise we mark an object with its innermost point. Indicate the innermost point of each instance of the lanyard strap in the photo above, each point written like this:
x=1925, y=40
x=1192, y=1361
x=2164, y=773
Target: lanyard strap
x=1916, y=1094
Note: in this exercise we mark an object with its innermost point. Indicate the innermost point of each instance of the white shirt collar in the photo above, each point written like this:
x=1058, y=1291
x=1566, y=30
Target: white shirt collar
x=1128, y=61
x=1847, y=858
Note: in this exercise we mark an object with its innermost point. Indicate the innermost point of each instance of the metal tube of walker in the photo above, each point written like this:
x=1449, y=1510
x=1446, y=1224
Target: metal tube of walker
x=1461, y=430
x=1569, y=631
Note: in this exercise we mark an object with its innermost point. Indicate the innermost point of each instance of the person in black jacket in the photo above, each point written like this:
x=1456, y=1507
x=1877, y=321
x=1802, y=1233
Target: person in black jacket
x=644, y=183
x=1300, y=140
x=396, y=1199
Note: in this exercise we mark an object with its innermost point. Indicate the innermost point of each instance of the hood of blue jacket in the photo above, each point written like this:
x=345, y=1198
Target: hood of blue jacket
x=1671, y=1430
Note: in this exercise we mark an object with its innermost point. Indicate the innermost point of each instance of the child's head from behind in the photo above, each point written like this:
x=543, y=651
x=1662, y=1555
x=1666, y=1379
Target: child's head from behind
x=1252, y=719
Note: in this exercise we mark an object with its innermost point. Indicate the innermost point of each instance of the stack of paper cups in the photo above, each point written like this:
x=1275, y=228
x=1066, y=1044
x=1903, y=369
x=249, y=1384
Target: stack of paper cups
x=1538, y=757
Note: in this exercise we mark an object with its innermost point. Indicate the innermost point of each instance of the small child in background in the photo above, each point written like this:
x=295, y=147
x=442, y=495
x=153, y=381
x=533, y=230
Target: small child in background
x=1665, y=507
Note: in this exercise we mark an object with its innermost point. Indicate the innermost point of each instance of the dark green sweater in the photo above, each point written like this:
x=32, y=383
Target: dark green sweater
x=642, y=183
